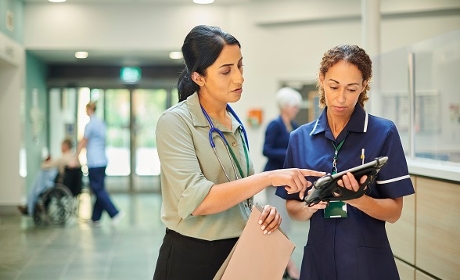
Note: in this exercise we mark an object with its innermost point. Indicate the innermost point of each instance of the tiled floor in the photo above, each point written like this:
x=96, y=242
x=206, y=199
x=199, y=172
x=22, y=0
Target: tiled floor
x=80, y=251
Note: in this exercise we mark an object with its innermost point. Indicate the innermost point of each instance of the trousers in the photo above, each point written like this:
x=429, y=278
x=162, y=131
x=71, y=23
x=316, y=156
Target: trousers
x=103, y=202
x=187, y=258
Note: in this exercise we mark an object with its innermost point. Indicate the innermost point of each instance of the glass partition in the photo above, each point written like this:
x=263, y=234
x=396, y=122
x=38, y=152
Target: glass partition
x=148, y=104
x=432, y=118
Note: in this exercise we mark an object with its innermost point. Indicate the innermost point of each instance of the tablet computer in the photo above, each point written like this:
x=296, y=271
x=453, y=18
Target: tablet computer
x=327, y=189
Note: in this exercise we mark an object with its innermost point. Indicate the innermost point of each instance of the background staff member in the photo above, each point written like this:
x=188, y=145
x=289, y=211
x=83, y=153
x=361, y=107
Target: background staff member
x=354, y=245
x=94, y=141
x=207, y=178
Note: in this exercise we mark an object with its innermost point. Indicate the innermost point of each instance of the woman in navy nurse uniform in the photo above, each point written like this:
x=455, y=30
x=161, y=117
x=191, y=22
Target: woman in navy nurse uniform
x=355, y=245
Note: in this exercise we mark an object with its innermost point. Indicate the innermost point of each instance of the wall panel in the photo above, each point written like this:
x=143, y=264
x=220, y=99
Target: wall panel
x=438, y=228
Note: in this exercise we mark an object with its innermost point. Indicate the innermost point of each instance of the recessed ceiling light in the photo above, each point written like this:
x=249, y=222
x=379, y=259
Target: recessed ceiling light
x=81, y=55
x=175, y=55
x=57, y=1
x=203, y=1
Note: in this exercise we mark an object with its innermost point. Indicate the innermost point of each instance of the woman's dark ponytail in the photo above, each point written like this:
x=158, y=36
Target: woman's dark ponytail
x=185, y=85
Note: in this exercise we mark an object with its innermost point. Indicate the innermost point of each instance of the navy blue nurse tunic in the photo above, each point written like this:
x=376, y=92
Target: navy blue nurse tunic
x=355, y=247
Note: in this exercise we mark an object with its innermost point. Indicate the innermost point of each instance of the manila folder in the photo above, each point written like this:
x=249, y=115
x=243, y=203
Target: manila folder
x=257, y=255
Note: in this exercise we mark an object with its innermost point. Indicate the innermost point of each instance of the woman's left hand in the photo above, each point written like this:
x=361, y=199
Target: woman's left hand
x=348, y=181
x=270, y=219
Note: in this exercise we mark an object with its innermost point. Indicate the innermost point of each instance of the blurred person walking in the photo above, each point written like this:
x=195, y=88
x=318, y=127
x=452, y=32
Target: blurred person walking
x=94, y=139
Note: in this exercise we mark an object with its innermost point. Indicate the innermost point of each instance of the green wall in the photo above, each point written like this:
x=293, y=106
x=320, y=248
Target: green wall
x=36, y=72
x=17, y=8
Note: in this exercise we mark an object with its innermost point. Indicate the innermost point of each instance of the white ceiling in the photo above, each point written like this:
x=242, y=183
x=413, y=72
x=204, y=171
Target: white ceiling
x=216, y=2
x=119, y=57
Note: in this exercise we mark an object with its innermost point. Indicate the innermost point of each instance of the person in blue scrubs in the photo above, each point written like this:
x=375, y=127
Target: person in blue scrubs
x=355, y=244
x=275, y=145
x=94, y=141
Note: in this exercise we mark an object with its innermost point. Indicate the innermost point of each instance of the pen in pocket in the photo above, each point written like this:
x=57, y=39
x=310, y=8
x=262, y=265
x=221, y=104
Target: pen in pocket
x=362, y=156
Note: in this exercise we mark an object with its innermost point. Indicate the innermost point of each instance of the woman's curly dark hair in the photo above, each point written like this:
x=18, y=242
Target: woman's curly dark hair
x=351, y=54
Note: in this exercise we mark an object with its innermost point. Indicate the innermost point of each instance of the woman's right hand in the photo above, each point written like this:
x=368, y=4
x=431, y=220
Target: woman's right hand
x=293, y=179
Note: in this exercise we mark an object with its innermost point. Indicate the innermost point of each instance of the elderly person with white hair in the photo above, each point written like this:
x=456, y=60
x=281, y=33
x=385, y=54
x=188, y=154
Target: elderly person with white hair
x=275, y=145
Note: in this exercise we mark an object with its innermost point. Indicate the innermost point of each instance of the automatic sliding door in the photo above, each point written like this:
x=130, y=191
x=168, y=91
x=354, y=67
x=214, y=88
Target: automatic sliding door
x=112, y=106
x=147, y=105
x=130, y=117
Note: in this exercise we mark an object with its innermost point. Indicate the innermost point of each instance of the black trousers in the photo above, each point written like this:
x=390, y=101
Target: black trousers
x=182, y=257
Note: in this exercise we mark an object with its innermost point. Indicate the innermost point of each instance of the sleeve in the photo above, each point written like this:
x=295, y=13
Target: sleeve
x=288, y=163
x=187, y=186
x=393, y=179
x=271, y=150
x=88, y=130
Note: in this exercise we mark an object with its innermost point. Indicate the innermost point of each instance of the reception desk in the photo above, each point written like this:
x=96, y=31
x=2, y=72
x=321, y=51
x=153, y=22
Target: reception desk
x=426, y=239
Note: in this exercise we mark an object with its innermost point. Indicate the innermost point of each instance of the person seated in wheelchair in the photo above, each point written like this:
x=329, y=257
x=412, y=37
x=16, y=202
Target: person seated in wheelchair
x=51, y=171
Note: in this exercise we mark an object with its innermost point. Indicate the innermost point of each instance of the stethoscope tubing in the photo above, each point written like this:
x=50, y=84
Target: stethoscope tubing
x=213, y=129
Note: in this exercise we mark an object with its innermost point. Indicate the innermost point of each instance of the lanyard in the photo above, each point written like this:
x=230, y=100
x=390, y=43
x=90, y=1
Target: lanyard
x=336, y=154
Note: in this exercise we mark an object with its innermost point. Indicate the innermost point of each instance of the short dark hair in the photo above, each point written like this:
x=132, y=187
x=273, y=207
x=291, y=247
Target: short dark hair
x=68, y=143
x=202, y=46
x=351, y=54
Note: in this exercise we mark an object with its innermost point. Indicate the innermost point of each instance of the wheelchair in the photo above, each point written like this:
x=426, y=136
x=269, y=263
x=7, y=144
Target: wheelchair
x=56, y=205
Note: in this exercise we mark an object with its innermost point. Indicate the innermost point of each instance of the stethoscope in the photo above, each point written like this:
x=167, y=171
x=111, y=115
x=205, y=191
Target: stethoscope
x=214, y=129
x=231, y=155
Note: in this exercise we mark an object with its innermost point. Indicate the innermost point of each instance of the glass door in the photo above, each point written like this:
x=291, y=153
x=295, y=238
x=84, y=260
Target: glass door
x=147, y=105
x=131, y=116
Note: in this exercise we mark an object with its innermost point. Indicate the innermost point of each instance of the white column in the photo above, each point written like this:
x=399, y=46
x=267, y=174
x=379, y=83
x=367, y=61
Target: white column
x=370, y=34
x=370, y=26
x=12, y=80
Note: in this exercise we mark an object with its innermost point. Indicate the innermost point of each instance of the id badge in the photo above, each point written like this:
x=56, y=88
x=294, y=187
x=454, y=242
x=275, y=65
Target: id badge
x=335, y=209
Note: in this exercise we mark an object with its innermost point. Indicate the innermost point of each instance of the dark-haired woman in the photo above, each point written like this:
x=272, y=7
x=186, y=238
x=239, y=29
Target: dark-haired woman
x=207, y=178
x=352, y=242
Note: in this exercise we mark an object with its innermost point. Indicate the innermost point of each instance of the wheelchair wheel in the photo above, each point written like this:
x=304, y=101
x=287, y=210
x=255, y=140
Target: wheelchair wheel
x=39, y=214
x=58, y=205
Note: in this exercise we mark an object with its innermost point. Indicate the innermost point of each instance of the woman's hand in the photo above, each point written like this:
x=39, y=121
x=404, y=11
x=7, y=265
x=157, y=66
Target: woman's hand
x=312, y=209
x=316, y=207
x=300, y=211
x=293, y=179
x=270, y=219
x=349, y=182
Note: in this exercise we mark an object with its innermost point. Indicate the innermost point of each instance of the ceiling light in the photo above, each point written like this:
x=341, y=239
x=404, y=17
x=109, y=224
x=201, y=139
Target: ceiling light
x=57, y=1
x=175, y=55
x=81, y=55
x=203, y=1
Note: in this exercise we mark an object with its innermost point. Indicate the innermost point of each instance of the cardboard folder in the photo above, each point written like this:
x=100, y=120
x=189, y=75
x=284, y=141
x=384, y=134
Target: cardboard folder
x=257, y=255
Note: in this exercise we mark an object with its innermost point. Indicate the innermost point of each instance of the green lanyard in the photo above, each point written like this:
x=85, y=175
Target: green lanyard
x=336, y=154
x=236, y=160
